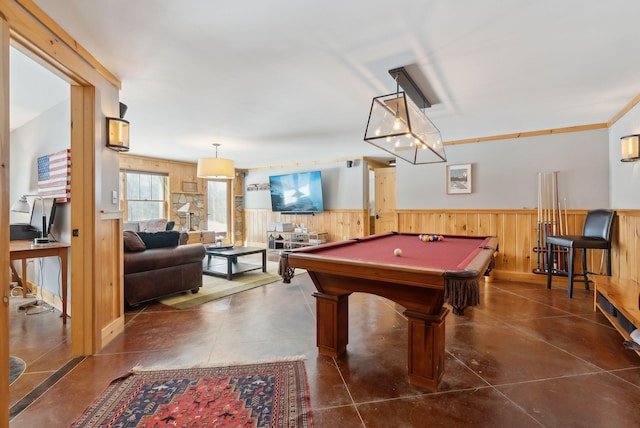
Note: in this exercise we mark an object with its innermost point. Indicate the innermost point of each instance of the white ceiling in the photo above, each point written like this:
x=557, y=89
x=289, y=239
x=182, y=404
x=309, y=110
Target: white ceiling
x=280, y=81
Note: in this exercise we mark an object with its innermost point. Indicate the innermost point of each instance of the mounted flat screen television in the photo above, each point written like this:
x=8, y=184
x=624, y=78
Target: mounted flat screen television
x=297, y=193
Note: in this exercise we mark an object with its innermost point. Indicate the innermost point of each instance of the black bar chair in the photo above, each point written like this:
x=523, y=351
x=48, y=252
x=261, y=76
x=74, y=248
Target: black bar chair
x=596, y=234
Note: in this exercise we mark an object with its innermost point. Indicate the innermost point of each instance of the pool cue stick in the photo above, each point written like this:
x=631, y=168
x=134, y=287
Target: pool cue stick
x=549, y=207
x=540, y=218
x=558, y=216
x=558, y=205
x=555, y=203
x=544, y=203
x=566, y=219
x=546, y=215
x=554, y=195
x=538, y=223
x=552, y=200
x=553, y=214
x=566, y=224
x=543, y=235
x=601, y=261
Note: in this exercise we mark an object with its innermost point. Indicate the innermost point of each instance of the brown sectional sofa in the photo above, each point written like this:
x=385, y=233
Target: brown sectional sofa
x=155, y=265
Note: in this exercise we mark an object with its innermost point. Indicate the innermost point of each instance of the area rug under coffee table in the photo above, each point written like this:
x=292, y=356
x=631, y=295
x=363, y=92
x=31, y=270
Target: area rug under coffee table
x=271, y=394
x=214, y=288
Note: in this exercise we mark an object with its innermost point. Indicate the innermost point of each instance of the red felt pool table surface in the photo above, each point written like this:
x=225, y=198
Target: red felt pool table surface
x=451, y=254
x=422, y=279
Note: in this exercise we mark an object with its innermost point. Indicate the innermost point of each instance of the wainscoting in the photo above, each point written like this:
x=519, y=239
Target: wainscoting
x=340, y=224
x=515, y=229
x=626, y=254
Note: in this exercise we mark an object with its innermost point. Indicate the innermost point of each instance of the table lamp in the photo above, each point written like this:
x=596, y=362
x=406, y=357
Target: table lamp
x=185, y=209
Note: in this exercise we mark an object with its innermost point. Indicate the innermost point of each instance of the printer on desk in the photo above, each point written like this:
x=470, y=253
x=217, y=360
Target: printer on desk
x=23, y=231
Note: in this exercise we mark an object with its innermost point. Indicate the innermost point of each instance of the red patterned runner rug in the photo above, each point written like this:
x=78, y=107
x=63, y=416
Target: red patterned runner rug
x=271, y=394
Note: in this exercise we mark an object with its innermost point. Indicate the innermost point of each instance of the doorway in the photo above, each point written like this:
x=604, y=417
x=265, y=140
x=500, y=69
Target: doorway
x=45, y=43
x=40, y=114
x=382, y=188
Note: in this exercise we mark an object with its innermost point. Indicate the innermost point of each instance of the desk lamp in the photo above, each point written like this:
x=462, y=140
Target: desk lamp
x=22, y=206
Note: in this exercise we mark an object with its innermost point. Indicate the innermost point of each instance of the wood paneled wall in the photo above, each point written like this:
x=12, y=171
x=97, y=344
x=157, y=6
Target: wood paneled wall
x=515, y=229
x=109, y=291
x=179, y=172
x=340, y=224
x=626, y=256
x=517, y=232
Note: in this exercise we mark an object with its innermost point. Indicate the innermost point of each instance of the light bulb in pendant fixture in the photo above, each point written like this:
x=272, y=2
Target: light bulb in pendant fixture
x=397, y=122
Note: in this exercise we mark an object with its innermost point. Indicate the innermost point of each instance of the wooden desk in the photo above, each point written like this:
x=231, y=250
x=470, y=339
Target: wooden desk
x=23, y=250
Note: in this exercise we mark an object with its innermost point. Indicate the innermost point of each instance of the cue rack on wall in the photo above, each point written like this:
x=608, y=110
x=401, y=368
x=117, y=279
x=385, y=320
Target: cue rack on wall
x=552, y=220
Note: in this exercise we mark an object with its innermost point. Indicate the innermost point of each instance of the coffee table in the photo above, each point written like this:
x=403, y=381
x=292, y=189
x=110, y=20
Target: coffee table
x=231, y=266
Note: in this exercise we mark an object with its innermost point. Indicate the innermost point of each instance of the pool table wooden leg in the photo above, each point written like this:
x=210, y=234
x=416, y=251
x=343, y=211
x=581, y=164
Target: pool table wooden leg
x=332, y=324
x=426, y=348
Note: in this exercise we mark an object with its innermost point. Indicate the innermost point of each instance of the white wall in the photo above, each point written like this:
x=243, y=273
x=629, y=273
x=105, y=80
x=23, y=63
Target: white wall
x=107, y=166
x=47, y=133
x=624, y=176
x=342, y=187
x=504, y=173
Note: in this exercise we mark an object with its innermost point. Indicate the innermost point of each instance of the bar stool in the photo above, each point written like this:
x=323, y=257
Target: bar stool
x=596, y=234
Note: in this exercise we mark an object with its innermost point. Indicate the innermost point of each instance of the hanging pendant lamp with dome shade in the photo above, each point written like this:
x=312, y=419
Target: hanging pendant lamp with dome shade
x=213, y=168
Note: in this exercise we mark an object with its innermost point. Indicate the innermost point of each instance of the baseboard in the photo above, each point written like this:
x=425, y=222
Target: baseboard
x=528, y=277
x=48, y=297
x=112, y=330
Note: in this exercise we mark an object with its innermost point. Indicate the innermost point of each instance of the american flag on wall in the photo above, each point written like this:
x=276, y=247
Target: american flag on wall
x=54, y=175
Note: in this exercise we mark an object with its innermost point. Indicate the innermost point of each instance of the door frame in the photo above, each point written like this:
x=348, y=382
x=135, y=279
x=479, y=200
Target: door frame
x=25, y=25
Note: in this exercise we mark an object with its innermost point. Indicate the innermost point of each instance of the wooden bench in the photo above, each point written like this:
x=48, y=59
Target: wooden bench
x=619, y=301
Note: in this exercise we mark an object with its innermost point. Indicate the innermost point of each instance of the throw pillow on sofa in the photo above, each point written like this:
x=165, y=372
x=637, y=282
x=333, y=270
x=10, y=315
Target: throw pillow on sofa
x=168, y=238
x=155, y=225
x=132, y=242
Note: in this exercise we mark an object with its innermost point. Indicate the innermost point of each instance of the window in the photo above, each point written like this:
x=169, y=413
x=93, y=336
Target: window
x=144, y=195
x=218, y=207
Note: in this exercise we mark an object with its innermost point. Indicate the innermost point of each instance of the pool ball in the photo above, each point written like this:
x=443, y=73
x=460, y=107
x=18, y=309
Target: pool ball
x=397, y=252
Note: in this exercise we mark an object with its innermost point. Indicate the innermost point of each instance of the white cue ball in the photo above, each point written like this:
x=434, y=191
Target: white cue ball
x=397, y=252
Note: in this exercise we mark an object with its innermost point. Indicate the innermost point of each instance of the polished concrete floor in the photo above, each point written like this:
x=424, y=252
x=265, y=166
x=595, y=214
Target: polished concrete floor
x=526, y=357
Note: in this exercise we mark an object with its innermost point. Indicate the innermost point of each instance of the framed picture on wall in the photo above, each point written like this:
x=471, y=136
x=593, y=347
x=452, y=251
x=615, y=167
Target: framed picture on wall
x=459, y=178
x=189, y=186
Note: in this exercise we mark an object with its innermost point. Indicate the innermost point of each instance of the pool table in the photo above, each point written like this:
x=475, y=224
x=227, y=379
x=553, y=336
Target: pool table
x=421, y=279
